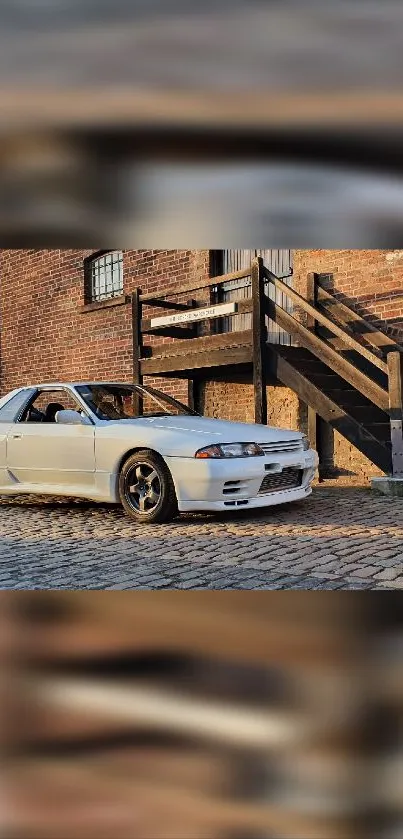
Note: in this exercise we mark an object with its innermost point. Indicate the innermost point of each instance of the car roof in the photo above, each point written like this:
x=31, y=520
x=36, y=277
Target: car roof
x=48, y=385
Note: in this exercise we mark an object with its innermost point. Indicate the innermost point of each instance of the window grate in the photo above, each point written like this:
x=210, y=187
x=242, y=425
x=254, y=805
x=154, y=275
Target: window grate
x=105, y=276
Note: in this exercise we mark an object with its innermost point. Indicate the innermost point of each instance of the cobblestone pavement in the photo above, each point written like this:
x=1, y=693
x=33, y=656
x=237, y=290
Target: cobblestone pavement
x=341, y=537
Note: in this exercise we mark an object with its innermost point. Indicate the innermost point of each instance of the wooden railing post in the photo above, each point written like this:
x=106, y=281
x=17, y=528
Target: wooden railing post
x=311, y=296
x=193, y=384
x=395, y=371
x=320, y=433
x=137, y=346
x=259, y=341
x=313, y=418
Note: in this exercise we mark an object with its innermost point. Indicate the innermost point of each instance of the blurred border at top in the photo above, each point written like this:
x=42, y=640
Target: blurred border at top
x=166, y=123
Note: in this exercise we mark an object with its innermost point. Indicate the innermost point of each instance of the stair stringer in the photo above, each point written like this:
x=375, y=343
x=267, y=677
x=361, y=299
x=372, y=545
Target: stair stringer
x=332, y=413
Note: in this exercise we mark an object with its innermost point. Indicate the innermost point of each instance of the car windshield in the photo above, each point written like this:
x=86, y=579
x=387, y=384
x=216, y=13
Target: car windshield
x=119, y=402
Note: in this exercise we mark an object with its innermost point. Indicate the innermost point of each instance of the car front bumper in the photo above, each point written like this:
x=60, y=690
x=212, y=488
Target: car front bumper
x=202, y=485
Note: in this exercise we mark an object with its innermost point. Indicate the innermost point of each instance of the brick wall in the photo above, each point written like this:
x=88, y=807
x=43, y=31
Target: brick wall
x=234, y=401
x=46, y=335
x=371, y=281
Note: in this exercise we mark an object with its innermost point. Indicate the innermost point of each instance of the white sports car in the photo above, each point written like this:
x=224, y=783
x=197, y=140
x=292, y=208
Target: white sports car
x=135, y=445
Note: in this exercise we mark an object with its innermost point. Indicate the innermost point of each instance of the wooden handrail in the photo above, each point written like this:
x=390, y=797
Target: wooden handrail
x=370, y=333
x=199, y=285
x=325, y=321
x=331, y=357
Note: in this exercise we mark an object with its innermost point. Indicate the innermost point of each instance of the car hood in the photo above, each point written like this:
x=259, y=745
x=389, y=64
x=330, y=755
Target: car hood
x=183, y=434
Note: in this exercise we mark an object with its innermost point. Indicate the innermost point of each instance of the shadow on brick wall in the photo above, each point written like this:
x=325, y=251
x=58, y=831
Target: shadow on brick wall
x=392, y=327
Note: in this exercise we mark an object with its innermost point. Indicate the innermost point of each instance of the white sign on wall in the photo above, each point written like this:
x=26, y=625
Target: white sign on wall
x=196, y=314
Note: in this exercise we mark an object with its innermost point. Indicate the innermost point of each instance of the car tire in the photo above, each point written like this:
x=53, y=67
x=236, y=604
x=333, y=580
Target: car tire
x=146, y=488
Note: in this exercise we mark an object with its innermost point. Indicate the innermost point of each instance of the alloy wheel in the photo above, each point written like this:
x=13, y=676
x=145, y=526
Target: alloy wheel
x=143, y=488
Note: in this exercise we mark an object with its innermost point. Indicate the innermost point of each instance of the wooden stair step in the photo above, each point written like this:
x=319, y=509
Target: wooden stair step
x=380, y=430
x=350, y=397
x=368, y=415
x=344, y=420
x=326, y=380
x=312, y=366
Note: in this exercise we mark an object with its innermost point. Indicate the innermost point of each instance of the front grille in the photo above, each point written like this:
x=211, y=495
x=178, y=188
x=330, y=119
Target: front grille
x=281, y=446
x=290, y=478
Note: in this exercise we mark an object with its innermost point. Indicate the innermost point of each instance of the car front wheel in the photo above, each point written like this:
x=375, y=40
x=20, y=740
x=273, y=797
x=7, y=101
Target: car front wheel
x=146, y=488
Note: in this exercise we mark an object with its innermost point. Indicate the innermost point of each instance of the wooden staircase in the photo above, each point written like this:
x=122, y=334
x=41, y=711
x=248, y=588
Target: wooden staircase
x=350, y=412
x=346, y=370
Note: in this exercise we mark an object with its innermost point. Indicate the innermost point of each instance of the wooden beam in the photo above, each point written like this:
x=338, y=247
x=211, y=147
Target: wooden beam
x=259, y=338
x=323, y=431
x=136, y=333
x=196, y=361
x=137, y=349
x=193, y=394
x=312, y=427
x=333, y=359
x=178, y=332
x=311, y=286
x=335, y=415
x=313, y=417
x=158, y=303
x=356, y=323
x=193, y=384
x=395, y=368
x=203, y=344
x=313, y=420
x=199, y=285
x=317, y=315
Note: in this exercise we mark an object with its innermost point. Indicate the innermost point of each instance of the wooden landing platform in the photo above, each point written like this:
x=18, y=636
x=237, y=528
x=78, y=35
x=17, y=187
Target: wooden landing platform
x=200, y=357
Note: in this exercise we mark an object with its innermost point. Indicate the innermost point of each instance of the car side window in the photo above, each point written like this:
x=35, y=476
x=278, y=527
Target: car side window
x=12, y=409
x=46, y=405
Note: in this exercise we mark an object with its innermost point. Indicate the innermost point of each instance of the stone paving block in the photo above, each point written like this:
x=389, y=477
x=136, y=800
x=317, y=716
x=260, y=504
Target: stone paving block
x=388, y=574
x=394, y=562
x=352, y=566
x=366, y=571
x=398, y=583
x=389, y=553
x=338, y=539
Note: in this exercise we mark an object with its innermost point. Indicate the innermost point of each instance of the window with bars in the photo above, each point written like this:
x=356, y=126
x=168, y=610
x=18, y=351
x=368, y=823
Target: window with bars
x=104, y=276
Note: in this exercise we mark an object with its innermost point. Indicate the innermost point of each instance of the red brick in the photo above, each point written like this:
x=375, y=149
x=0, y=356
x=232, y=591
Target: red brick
x=45, y=336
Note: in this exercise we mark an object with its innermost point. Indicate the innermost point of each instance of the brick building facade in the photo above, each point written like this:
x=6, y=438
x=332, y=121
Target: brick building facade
x=51, y=330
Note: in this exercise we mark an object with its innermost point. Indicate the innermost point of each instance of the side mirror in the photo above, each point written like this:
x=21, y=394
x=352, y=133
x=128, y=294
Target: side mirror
x=71, y=418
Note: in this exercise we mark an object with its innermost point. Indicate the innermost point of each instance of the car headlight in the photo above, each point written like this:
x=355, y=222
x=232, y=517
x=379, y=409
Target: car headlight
x=306, y=444
x=230, y=450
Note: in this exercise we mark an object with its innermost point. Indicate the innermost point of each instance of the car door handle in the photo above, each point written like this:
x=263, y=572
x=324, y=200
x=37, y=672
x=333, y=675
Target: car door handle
x=17, y=436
